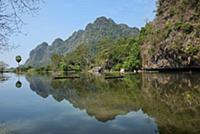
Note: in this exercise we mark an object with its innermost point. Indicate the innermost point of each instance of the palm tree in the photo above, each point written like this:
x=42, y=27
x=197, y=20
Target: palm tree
x=18, y=59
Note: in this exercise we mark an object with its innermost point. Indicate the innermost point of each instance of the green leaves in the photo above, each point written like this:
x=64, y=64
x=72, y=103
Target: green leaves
x=18, y=58
x=56, y=60
x=134, y=60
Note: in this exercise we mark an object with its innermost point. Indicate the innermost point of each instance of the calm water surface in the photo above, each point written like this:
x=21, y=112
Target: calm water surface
x=137, y=104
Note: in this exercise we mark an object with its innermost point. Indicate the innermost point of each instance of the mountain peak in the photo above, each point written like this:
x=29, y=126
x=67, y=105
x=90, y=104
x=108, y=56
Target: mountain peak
x=103, y=20
x=100, y=22
x=58, y=39
x=42, y=45
x=56, y=43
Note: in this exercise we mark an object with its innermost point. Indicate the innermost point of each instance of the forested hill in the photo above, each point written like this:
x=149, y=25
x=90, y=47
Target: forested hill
x=102, y=28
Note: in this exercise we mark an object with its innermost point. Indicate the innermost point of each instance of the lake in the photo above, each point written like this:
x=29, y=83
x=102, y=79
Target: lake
x=140, y=103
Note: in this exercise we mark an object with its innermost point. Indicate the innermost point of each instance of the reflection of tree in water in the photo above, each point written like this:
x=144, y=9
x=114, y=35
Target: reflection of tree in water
x=102, y=99
x=18, y=84
x=3, y=78
x=4, y=128
x=173, y=99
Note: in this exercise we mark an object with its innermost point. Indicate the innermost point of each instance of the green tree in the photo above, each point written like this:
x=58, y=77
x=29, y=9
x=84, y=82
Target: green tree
x=80, y=59
x=18, y=59
x=134, y=59
x=56, y=60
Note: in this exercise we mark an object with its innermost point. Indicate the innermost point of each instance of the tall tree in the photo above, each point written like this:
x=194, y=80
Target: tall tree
x=11, y=12
x=56, y=60
x=18, y=59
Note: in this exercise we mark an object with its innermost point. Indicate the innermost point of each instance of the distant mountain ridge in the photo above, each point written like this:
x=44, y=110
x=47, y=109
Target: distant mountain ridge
x=93, y=33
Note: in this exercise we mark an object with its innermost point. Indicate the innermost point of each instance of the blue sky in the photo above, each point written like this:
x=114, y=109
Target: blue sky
x=60, y=18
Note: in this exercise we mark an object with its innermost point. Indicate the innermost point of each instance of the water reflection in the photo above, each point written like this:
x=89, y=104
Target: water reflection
x=100, y=98
x=172, y=99
x=3, y=78
x=18, y=84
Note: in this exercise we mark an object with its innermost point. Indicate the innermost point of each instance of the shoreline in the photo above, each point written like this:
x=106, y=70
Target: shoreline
x=147, y=70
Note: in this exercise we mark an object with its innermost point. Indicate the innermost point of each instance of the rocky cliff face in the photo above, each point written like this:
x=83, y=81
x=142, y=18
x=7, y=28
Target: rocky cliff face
x=39, y=55
x=94, y=32
x=172, y=40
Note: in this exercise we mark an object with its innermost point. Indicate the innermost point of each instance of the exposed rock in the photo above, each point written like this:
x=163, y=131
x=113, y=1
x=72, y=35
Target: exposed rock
x=172, y=40
x=39, y=56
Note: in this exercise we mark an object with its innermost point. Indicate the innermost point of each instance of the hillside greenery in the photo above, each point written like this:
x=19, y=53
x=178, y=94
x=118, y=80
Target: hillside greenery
x=123, y=53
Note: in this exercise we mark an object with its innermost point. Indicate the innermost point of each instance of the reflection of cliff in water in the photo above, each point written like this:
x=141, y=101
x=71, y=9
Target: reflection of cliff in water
x=173, y=99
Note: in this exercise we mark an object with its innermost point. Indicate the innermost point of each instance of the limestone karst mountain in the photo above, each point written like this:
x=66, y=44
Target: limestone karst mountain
x=93, y=33
x=172, y=40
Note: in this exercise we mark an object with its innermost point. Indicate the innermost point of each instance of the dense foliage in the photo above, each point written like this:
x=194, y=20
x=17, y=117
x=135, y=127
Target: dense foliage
x=111, y=55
